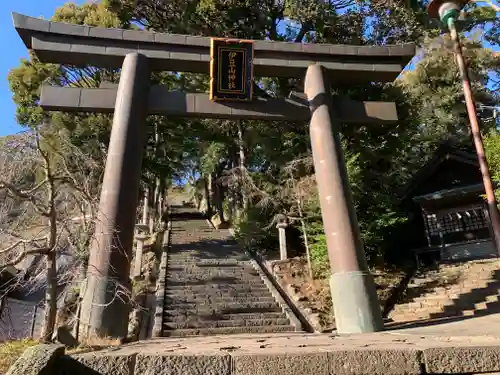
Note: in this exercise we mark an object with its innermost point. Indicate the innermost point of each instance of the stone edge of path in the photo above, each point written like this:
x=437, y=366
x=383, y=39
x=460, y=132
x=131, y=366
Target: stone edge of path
x=50, y=359
x=157, y=330
x=301, y=323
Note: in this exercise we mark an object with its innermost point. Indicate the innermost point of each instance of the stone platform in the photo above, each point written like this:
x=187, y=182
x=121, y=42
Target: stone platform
x=468, y=346
x=295, y=354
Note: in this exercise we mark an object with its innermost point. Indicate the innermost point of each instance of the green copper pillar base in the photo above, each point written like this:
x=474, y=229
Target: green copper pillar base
x=449, y=16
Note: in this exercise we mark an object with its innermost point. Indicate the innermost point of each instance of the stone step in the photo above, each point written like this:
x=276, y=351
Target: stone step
x=180, y=266
x=449, y=314
x=211, y=262
x=193, y=259
x=203, y=250
x=422, y=311
x=492, y=298
x=223, y=306
x=209, y=285
x=211, y=292
x=205, y=286
x=225, y=323
x=228, y=293
x=214, y=283
x=215, y=279
x=454, y=293
x=219, y=300
x=210, y=310
x=194, y=256
x=229, y=279
x=447, y=311
x=226, y=331
x=470, y=300
x=175, y=317
x=407, y=318
x=217, y=268
x=210, y=274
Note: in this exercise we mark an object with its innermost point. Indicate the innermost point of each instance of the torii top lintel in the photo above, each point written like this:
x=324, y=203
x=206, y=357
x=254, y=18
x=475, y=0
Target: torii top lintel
x=56, y=42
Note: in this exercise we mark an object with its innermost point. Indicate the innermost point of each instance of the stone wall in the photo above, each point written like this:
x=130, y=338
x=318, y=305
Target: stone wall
x=475, y=250
x=20, y=320
x=279, y=355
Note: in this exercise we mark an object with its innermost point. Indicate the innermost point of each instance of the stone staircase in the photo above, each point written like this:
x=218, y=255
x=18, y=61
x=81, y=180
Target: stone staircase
x=453, y=290
x=212, y=287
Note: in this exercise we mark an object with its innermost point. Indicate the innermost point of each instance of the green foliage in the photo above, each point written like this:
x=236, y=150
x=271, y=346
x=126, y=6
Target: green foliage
x=10, y=351
x=492, y=148
x=380, y=158
x=254, y=232
x=90, y=14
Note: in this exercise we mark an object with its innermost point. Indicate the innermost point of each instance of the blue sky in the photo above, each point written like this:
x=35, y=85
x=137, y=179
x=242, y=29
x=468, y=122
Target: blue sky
x=14, y=50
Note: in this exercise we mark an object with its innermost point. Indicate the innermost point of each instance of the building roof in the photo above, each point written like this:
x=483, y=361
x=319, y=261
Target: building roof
x=448, y=150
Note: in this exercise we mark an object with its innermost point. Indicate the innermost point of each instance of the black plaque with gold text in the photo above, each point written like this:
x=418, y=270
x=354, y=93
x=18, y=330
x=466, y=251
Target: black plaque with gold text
x=231, y=70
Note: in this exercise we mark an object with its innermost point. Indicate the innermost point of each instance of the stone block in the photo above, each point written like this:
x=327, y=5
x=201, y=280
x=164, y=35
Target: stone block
x=401, y=50
x=37, y=360
x=374, y=362
x=281, y=364
x=373, y=51
x=176, y=364
x=287, y=47
x=138, y=36
x=88, y=46
x=185, y=56
x=106, y=363
x=49, y=43
x=30, y=23
x=100, y=32
x=122, y=49
x=98, y=98
x=170, y=38
x=323, y=49
x=64, y=97
x=343, y=49
x=197, y=41
x=68, y=29
x=154, y=52
x=455, y=360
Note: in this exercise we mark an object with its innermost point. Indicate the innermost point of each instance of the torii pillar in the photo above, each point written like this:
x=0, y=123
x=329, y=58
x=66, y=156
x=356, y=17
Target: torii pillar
x=354, y=298
x=105, y=305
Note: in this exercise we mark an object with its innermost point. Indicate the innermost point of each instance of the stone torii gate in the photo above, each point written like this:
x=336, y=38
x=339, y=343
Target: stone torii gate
x=140, y=52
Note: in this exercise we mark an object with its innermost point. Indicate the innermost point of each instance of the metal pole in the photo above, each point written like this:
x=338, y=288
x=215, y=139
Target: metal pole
x=476, y=134
x=105, y=304
x=33, y=321
x=354, y=298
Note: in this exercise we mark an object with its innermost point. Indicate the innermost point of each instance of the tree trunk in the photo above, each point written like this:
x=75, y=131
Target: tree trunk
x=219, y=201
x=154, y=206
x=49, y=320
x=144, y=216
x=304, y=229
x=50, y=316
x=241, y=146
x=196, y=201
x=156, y=194
x=233, y=196
x=206, y=186
x=161, y=200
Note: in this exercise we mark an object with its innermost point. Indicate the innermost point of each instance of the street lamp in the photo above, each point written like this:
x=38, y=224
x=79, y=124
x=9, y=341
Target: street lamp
x=448, y=11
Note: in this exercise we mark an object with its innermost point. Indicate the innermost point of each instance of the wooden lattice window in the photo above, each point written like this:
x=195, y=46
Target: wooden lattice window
x=457, y=226
x=432, y=225
x=451, y=223
x=474, y=219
